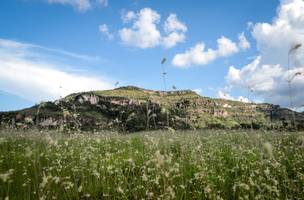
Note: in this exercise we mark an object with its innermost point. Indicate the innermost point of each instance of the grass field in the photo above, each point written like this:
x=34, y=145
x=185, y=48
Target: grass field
x=152, y=165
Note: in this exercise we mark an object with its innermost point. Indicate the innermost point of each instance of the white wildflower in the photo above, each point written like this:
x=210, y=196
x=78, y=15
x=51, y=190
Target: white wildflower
x=96, y=173
x=56, y=179
x=5, y=177
x=80, y=188
x=171, y=192
x=44, y=181
x=120, y=190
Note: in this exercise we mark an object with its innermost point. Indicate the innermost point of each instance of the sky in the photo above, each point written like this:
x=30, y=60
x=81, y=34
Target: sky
x=234, y=49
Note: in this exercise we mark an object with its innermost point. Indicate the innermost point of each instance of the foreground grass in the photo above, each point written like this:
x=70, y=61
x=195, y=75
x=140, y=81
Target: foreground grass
x=154, y=165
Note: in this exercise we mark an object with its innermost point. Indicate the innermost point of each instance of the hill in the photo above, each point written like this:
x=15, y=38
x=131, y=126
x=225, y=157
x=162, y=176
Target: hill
x=134, y=109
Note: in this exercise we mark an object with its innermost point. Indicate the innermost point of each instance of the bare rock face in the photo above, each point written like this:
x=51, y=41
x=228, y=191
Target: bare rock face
x=29, y=120
x=48, y=122
x=121, y=102
x=227, y=105
x=221, y=113
x=93, y=99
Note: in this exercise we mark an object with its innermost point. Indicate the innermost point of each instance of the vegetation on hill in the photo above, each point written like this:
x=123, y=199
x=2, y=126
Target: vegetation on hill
x=130, y=109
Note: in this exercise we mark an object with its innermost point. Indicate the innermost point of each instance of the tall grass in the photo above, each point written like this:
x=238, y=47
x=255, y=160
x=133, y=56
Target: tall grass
x=152, y=165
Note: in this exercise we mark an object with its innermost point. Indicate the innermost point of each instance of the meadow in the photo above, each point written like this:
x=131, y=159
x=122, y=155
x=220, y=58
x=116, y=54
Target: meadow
x=205, y=164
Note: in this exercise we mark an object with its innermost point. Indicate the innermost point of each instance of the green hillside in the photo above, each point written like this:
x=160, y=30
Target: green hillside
x=131, y=108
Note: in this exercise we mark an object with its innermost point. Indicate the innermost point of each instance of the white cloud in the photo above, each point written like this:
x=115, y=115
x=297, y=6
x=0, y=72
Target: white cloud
x=194, y=56
x=172, y=24
x=226, y=47
x=198, y=91
x=128, y=17
x=27, y=73
x=20, y=49
x=103, y=3
x=105, y=30
x=144, y=32
x=175, y=30
x=243, y=99
x=260, y=78
x=225, y=95
x=267, y=81
x=172, y=39
x=198, y=55
x=81, y=5
x=233, y=75
x=268, y=73
x=276, y=38
x=243, y=42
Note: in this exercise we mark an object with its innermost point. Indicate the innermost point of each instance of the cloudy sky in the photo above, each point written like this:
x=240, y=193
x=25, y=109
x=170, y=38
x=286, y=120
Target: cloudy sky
x=225, y=49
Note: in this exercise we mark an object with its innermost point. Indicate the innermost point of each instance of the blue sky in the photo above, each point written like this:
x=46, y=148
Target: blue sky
x=219, y=48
